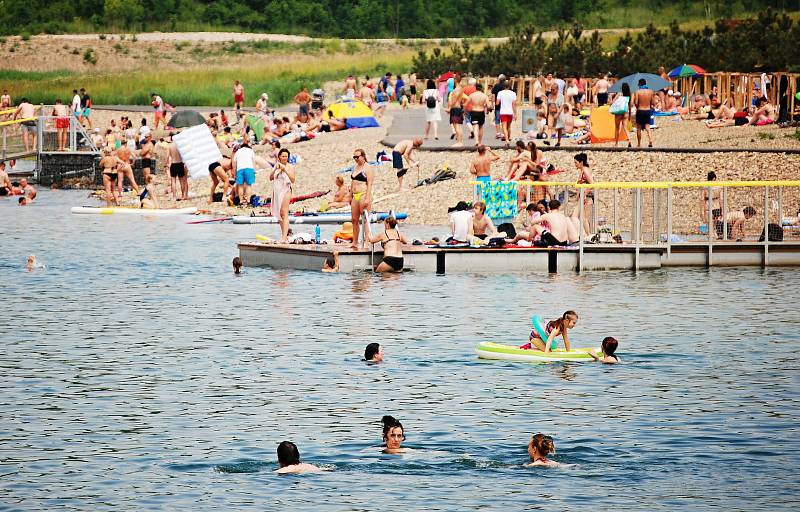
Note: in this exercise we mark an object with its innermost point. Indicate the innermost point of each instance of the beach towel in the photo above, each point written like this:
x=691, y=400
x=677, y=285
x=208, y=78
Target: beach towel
x=500, y=198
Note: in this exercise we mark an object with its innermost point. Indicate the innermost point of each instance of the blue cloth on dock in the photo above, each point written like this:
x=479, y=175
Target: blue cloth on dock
x=500, y=198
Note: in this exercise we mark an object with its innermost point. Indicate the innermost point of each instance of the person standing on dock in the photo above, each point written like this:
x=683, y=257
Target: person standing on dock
x=27, y=111
x=362, y=179
x=62, y=123
x=86, y=109
x=282, y=177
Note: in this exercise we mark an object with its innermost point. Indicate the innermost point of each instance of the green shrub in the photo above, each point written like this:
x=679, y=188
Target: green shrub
x=25, y=36
x=766, y=136
x=89, y=56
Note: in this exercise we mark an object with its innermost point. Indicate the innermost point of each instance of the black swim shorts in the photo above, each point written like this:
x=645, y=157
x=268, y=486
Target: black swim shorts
x=602, y=98
x=478, y=118
x=643, y=117
x=177, y=170
x=456, y=115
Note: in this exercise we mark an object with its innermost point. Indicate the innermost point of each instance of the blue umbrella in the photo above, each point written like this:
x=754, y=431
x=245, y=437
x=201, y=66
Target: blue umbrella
x=654, y=82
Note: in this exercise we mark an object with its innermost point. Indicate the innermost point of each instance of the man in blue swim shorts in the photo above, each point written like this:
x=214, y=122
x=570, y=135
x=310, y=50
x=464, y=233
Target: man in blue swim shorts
x=244, y=163
x=86, y=108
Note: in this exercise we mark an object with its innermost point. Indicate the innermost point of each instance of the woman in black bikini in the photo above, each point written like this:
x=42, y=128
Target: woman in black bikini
x=219, y=172
x=392, y=242
x=109, y=164
x=361, y=188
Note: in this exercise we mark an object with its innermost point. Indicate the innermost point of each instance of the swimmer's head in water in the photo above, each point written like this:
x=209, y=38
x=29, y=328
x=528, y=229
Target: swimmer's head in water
x=373, y=352
x=609, y=345
x=237, y=265
x=330, y=262
x=393, y=432
x=288, y=454
x=540, y=446
x=23, y=201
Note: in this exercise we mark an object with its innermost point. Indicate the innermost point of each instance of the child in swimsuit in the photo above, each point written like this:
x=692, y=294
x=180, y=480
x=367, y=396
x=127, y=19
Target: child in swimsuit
x=553, y=328
x=609, y=347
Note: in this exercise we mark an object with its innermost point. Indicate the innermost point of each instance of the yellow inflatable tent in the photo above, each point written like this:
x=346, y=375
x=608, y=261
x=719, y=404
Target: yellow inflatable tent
x=356, y=114
x=602, y=124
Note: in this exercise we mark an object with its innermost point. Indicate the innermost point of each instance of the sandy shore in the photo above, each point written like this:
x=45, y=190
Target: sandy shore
x=326, y=154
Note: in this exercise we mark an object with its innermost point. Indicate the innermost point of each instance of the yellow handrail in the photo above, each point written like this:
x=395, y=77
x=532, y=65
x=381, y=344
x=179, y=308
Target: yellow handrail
x=659, y=184
x=17, y=121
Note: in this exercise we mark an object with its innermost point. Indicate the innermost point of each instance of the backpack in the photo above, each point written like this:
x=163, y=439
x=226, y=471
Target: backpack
x=430, y=101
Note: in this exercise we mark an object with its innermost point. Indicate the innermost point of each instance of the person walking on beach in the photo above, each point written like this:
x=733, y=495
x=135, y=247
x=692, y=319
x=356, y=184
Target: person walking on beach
x=238, y=98
x=430, y=98
x=621, y=109
x=125, y=168
x=147, y=153
x=479, y=103
x=362, y=179
x=160, y=111
x=501, y=85
x=643, y=101
x=26, y=110
x=350, y=87
x=507, y=106
x=303, y=100
x=456, y=113
x=283, y=177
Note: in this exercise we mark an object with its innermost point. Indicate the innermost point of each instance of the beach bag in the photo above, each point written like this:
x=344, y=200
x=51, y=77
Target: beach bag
x=620, y=106
x=775, y=233
x=430, y=101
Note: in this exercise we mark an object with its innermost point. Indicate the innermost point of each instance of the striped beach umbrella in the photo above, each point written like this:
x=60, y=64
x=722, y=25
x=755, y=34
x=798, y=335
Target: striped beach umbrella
x=686, y=70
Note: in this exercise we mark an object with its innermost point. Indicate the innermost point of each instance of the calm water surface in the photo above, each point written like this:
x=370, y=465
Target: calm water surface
x=138, y=373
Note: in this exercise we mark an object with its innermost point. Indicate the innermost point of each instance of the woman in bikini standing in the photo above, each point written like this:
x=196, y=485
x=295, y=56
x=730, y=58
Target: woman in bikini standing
x=109, y=164
x=219, y=172
x=362, y=178
x=391, y=241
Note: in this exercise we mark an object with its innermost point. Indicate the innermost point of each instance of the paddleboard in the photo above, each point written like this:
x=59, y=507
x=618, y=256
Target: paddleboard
x=102, y=210
x=322, y=218
x=498, y=351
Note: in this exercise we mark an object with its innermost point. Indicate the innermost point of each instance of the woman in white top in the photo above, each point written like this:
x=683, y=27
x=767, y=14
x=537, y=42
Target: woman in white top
x=433, y=113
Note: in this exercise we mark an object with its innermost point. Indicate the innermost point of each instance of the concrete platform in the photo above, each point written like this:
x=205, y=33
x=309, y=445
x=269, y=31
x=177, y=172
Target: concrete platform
x=533, y=259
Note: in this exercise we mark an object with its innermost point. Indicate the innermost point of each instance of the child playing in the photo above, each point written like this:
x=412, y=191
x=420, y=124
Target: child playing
x=609, y=347
x=553, y=328
x=539, y=447
x=331, y=263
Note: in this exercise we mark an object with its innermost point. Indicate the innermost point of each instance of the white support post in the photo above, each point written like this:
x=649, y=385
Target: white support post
x=669, y=221
x=638, y=220
x=766, y=226
x=581, y=196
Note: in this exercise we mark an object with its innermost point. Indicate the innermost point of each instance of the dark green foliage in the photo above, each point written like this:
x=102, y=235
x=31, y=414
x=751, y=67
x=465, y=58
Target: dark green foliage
x=350, y=18
x=765, y=43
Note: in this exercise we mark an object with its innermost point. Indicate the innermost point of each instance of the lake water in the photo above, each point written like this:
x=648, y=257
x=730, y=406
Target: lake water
x=139, y=374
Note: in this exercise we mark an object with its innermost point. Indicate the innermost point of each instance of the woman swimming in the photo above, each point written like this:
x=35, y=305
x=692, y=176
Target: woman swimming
x=289, y=460
x=539, y=447
x=391, y=241
x=393, y=435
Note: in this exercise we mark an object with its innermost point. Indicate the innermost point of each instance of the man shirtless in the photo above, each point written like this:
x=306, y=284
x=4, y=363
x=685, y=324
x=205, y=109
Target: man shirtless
x=238, y=98
x=350, y=87
x=456, y=112
x=26, y=189
x=643, y=101
x=177, y=171
x=600, y=90
x=403, y=150
x=481, y=166
x=26, y=110
x=125, y=167
x=482, y=225
x=5, y=181
x=146, y=154
x=367, y=94
x=561, y=232
x=477, y=104
x=5, y=100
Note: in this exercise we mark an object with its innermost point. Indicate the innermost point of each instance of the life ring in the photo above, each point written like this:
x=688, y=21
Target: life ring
x=538, y=326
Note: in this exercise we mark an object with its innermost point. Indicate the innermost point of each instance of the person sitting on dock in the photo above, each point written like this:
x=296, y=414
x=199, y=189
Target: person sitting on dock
x=561, y=231
x=289, y=460
x=391, y=241
x=534, y=232
x=462, y=228
x=482, y=224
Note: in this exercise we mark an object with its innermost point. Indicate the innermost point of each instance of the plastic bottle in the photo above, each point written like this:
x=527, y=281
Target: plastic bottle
x=317, y=234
